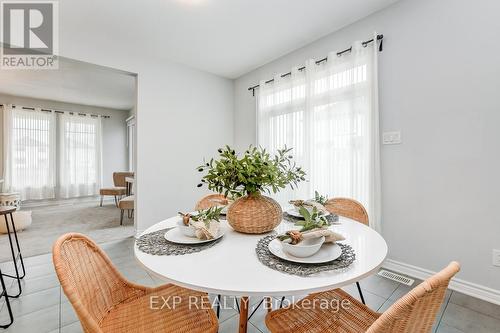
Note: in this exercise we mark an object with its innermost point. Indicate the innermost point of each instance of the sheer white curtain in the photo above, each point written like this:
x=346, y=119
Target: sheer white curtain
x=29, y=152
x=328, y=113
x=79, y=155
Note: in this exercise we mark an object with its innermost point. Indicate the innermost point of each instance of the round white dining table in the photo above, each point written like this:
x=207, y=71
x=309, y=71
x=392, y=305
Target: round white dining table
x=231, y=267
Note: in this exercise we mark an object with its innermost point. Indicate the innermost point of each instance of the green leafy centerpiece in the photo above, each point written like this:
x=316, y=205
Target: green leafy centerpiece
x=245, y=178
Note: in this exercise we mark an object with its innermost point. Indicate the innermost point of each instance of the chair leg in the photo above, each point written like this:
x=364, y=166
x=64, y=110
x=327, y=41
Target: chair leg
x=360, y=293
x=102, y=197
x=18, y=246
x=17, y=277
x=7, y=302
x=218, y=305
x=121, y=216
x=116, y=201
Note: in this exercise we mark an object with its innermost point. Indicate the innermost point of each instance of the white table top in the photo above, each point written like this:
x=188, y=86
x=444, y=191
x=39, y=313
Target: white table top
x=129, y=179
x=232, y=268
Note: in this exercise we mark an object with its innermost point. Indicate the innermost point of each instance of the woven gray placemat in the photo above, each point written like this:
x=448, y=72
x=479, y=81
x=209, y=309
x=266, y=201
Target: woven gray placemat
x=155, y=243
x=270, y=260
x=332, y=218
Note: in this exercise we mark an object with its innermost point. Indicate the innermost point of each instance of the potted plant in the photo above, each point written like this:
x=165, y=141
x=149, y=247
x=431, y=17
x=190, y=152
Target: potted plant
x=246, y=178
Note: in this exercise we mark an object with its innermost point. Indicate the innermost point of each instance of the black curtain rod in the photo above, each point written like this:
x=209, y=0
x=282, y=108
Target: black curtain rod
x=365, y=43
x=57, y=111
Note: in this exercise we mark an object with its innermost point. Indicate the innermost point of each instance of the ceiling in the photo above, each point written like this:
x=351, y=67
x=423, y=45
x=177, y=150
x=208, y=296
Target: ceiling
x=75, y=82
x=225, y=37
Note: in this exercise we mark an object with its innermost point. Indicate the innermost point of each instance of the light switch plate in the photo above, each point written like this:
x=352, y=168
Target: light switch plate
x=496, y=258
x=391, y=138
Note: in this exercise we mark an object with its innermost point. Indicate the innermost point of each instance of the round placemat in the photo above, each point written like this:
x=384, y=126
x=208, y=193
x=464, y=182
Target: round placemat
x=155, y=243
x=270, y=260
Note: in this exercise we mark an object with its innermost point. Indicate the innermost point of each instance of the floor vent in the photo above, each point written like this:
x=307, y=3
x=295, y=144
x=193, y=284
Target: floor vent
x=396, y=277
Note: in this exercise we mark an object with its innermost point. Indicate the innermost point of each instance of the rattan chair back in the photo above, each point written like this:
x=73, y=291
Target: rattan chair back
x=119, y=178
x=417, y=310
x=89, y=279
x=349, y=208
x=211, y=200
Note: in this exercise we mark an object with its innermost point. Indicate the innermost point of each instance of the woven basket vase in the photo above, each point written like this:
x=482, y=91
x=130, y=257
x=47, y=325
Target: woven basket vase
x=254, y=214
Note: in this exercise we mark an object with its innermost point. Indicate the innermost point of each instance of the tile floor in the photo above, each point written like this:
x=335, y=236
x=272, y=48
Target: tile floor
x=43, y=307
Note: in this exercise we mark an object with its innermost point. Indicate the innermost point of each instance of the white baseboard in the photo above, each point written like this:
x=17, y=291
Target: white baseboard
x=472, y=289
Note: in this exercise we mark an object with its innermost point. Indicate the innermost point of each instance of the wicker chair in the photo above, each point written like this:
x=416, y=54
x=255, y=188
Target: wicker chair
x=211, y=200
x=120, y=186
x=414, y=312
x=351, y=209
x=106, y=302
x=348, y=208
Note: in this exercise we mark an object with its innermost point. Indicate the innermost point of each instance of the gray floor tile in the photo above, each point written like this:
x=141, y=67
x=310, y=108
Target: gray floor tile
x=231, y=325
x=476, y=304
x=30, y=286
x=467, y=320
x=373, y=301
x=68, y=315
x=34, y=271
x=42, y=321
x=443, y=328
x=157, y=281
x=72, y=328
x=41, y=259
x=258, y=319
x=403, y=289
x=379, y=286
x=35, y=301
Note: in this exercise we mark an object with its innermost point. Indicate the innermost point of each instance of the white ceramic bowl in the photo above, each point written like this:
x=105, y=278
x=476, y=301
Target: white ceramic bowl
x=188, y=231
x=304, y=249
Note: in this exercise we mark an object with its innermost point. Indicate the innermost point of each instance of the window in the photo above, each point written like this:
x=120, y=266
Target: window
x=80, y=155
x=30, y=163
x=328, y=115
x=44, y=163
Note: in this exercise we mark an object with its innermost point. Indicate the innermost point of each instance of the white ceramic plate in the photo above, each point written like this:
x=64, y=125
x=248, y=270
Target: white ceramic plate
x=176, y=236
x=293, y=212
x=328, y=252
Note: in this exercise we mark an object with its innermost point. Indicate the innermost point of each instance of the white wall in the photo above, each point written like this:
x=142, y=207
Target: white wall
x=114, y=136
x=439, y=81
x=183, y=115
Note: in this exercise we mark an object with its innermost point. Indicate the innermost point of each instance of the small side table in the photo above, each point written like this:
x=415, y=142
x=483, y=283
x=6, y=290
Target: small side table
x=7, y=211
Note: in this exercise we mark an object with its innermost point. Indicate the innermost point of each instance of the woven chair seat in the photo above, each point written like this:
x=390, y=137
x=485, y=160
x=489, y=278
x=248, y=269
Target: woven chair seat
x=118, y=190
x=136, y=315
x=321, y=319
